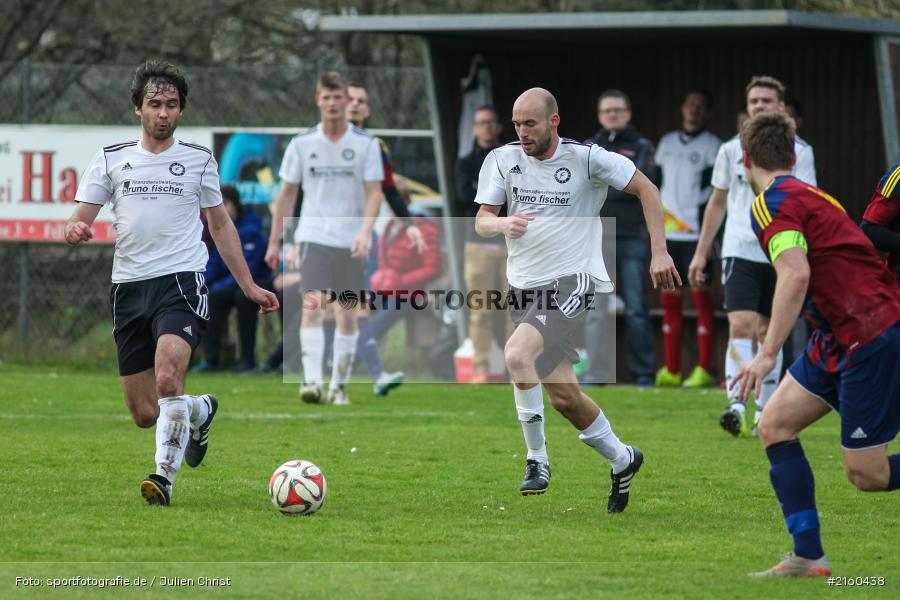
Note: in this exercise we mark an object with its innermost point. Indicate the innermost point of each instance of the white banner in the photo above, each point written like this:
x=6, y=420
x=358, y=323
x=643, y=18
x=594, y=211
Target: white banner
x=40, y=167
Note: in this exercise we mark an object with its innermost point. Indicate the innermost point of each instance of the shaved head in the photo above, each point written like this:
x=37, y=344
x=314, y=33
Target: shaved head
x=536, y=118
x=536, y=97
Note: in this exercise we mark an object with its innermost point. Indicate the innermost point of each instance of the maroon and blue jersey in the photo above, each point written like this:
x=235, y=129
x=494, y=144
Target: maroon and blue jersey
x=852, y=296
x=884, y=208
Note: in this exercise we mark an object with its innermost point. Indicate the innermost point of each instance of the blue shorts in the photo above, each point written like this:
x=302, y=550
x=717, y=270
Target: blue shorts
x=865, y=394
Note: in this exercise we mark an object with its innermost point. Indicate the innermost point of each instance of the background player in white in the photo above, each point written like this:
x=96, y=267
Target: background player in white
x=155, y=188
x=685, y=159
x=340, y=168
x=748, y=277
x=555, y=189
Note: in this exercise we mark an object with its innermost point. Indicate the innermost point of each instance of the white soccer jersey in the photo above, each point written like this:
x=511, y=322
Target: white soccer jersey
x=155, y=200
x=333, y=175
x=683, y=159
x=564, y=193
x=728, y=174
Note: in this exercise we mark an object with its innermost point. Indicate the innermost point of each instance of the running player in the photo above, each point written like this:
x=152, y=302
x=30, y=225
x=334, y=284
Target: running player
x=686, y=159
x=850, y=364
x=554, y=189
x=881, y=221
x=155, y=188
x=748, y=277
x=340, y=168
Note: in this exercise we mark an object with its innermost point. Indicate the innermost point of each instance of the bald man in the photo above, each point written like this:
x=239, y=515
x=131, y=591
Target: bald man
x=554, y=189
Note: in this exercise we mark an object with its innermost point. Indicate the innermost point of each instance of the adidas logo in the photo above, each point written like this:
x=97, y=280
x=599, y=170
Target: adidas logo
x=516, y=170
x=126, y=167
x=859, y=434
x=535, y=419
x=188, y=331
x=313, y=156
x=542, y=319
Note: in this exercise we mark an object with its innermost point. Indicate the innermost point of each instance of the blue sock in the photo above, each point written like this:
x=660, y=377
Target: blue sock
x=367, y=348
x=894, y=481
x=792, y=479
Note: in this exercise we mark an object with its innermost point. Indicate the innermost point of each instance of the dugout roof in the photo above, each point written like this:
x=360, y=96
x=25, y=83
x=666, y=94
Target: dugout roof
x=844, y=70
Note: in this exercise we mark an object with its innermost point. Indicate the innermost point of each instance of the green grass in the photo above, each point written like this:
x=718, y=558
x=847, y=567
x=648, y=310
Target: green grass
x=426, y=507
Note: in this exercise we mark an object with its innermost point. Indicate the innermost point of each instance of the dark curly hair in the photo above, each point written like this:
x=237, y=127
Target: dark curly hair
x=157, y=73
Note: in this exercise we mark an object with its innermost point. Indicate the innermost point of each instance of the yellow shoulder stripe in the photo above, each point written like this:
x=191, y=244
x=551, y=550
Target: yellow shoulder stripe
x=891, y=183
x=761, y=212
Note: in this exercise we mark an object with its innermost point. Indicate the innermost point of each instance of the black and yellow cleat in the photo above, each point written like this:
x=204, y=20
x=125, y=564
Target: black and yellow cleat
x=156, y=490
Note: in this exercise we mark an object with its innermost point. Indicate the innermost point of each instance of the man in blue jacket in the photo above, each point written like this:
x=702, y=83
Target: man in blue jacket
x=224, y=292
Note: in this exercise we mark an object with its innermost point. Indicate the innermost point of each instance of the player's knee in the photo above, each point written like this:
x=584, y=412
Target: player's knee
x=564, y=400
x=516, y=358
x=167, y=383
x=770, y=432
x=145, y=416
x=863, y=480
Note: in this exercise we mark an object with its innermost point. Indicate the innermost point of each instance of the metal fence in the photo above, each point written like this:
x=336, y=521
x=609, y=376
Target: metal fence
x=230, y=96
x=53, y=298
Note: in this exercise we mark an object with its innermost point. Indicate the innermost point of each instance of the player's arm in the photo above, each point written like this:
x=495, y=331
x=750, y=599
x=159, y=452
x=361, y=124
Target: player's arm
x=78, y=227
x=662, y=268
x=489, y=223
x=882, y=238
x=713, y=218
x=284, y=205
x=362, y=243
x=225, y=236
x=787, y=250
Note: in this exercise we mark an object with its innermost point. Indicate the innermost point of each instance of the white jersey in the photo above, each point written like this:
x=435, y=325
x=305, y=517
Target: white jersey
x=564, y=193
x=684, y=159
x=155, y=200
x=333, y=175
x=728, y=174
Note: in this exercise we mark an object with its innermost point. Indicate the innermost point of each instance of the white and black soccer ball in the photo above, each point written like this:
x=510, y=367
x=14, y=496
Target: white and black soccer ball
x=298, y=488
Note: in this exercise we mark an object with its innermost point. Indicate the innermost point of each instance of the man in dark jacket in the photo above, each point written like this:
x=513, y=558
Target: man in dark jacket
x=616, y=134
x=224, y=292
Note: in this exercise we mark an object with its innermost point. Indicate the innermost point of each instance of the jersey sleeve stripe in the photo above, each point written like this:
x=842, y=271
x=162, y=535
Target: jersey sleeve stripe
x=888, y=188
x=761, y=211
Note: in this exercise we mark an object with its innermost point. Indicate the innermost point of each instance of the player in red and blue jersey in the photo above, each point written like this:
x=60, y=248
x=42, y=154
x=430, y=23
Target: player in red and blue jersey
x=881, y=221
x=851, y=364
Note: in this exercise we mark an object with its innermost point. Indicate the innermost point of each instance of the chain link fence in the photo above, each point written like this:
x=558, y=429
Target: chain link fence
x=251, y=96
x=54, y=298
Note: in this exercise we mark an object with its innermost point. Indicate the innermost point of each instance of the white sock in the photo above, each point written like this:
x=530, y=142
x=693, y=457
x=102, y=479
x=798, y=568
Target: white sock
x=173, y=427
x=199, y=406
x=738, y=354
x=312, y=347
x=344, y=353
x=530, y=407
x=599, y=436
x=770, y=382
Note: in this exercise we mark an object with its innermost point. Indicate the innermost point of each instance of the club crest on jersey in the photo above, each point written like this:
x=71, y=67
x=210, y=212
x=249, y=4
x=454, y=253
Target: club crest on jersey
x=348, y=154
x=176, y=169
x=562, y=175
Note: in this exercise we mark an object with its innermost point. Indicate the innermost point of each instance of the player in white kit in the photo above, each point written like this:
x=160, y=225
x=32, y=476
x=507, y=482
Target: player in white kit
x=554, y=189
x=685, y=158
x=156, y=187
x=747, y=275
x=341, y=171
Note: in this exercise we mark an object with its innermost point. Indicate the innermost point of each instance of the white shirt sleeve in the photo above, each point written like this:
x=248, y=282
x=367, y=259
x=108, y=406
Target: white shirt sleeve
x=95, y=186
x=805, y=169
x=721, y=175
x=491, y=187
x=609, y=168
x=292, y=164
x=373, y=165
x=210, y=191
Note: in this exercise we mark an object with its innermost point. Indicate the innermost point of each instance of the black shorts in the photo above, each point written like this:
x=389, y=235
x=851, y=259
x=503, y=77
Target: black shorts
x=144, y=310
x=748, y=285
x=330, y=268
x=557, y=311
x=682, y=253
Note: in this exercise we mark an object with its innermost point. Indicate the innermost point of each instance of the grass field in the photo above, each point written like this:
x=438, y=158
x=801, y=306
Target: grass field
x=426, y=506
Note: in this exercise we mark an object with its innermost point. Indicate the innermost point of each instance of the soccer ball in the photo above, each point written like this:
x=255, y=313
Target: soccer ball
x=298, y=488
